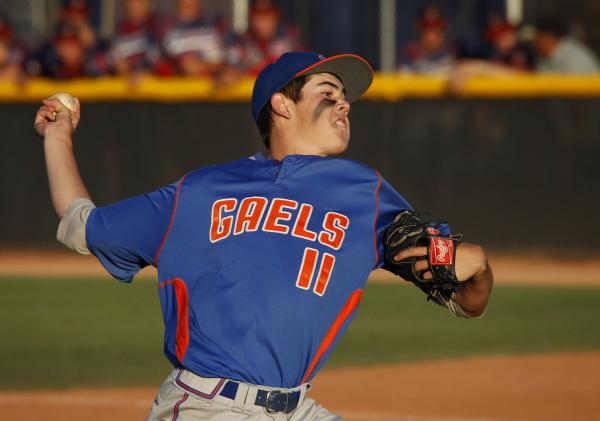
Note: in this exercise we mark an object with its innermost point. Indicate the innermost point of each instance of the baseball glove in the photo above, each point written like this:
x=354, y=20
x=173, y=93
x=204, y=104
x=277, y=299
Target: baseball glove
x=410, y=229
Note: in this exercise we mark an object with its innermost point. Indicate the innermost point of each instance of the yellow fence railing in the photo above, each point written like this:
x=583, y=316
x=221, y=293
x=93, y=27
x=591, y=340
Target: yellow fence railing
x=389, y=87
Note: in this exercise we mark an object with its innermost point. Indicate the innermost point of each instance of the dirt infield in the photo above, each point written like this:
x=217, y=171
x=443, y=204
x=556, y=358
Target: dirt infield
x=525, y=388
x=509, y=268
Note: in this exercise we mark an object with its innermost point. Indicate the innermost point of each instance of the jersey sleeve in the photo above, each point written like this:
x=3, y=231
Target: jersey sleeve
x=126, y=235
x=389, y=204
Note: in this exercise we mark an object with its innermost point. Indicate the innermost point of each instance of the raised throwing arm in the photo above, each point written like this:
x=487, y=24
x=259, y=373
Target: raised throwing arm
x=56, y=125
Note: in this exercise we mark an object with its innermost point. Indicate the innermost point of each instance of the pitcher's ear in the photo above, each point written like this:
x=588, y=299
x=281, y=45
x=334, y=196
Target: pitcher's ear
x=281, y=105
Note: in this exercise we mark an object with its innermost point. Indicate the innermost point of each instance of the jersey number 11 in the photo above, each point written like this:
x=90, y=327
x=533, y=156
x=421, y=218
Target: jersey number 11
x=307, y=271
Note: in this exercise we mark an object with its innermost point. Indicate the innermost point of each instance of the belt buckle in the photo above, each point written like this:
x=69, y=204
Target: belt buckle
x=268, y=403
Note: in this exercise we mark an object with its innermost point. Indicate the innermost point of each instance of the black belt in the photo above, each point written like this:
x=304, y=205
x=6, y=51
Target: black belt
x=271, y=400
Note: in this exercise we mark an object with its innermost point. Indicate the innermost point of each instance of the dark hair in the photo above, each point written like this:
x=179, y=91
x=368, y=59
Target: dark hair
x=293, y=90
x=552, y=25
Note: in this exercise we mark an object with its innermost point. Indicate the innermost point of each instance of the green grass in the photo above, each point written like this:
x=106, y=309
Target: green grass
x=397, y=324
x=73, y=332
x=58, y=333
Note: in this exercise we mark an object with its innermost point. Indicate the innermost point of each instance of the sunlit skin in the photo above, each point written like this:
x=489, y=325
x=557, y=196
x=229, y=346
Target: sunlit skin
x=317, y=125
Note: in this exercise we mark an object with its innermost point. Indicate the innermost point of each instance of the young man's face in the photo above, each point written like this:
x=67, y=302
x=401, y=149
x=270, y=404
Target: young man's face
x=322, y=114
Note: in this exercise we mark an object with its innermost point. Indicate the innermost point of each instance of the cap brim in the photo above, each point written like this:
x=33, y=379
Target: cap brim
x=354, y=72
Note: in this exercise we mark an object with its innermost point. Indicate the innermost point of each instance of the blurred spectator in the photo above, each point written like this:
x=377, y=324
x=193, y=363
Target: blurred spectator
x=12, y=54
x=194, y=42
x=506, y=56
x=66, y=57
x=266, y=39
x=135, y=50
x=430, y=53
x=76, y=13
x=505, y=46
x=559, y=54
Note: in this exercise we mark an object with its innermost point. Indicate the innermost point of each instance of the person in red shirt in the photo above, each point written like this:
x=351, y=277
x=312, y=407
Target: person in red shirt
x=77, y=14
x=430, y=53
x=66, y=56
x=12, y=54
x=267, y=38
x=194, y=42
x=135, y=48
x=505, y=48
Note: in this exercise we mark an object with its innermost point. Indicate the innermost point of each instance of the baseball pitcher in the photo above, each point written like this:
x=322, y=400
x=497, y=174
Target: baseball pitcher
x=262, y=261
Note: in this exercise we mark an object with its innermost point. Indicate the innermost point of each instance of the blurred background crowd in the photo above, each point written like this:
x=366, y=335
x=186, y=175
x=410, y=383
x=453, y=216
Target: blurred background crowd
x=515, y=145
x=64, y=39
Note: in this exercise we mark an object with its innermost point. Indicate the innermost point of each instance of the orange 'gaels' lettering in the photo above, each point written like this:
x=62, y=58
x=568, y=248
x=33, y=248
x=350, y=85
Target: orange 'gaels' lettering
x=276, y=214
x=335, y=225
x=300, y=229
x=249, y=214
x=277, y=217
x=220, y=227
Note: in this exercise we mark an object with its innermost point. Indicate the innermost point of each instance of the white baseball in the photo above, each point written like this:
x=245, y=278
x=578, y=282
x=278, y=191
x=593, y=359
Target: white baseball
x=67, y=100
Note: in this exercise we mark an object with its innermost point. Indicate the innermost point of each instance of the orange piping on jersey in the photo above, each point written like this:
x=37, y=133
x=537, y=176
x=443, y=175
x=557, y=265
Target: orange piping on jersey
x=162, y=244
x=376, y=216
x=349, y=307
x=182, y=335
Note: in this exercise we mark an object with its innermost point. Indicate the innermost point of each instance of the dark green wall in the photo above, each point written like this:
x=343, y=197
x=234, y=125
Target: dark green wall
x=506, y=173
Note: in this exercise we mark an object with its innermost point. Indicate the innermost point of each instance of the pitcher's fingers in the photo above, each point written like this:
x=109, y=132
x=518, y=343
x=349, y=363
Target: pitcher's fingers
x=44, y=116
x=421, y=265
x=44, y=108
x=411, y=252
x=47, y=108
x=51, y=103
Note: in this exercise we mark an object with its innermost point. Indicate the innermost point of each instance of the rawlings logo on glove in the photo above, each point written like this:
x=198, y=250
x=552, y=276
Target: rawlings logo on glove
x=412, y=230
x=442, y=252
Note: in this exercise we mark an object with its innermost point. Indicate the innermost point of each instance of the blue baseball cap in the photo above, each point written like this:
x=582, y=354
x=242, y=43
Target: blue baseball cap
x=354, y=72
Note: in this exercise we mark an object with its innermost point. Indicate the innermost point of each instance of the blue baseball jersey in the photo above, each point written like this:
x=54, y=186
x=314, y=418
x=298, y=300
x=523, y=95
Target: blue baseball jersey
x=261, y=263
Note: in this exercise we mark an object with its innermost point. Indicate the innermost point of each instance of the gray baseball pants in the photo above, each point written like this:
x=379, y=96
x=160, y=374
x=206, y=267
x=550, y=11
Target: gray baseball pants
x=185, y=396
